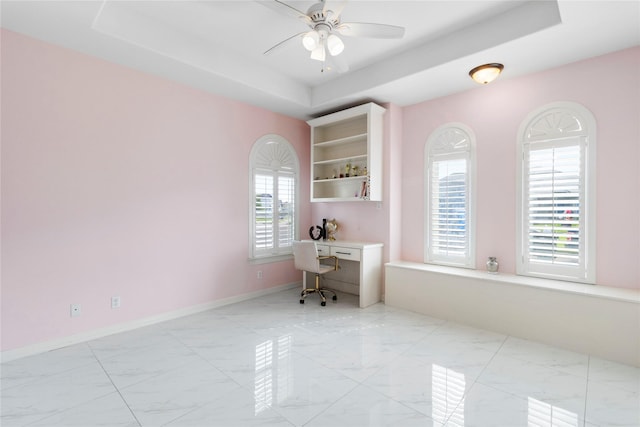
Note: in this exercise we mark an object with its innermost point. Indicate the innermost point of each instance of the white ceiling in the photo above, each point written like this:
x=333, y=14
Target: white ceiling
x=218, y=46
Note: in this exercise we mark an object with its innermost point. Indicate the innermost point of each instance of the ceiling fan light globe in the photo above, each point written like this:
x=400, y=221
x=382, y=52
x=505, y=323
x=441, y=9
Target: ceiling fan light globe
x=334, y=45
x=310, y=40
x=319, y=53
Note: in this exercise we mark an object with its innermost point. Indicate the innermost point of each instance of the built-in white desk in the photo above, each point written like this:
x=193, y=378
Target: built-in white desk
x=360, y=270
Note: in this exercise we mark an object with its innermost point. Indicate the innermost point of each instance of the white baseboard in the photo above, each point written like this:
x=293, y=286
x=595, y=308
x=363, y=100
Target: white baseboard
x=42, y=347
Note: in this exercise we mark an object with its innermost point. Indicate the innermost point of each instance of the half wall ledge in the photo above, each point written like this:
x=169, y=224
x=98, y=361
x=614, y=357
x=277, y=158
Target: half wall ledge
x=598, y=320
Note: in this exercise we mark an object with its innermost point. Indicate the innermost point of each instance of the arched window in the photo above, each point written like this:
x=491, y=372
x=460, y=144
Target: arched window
x=274, y=172
x=556, y=193
x=449, y=199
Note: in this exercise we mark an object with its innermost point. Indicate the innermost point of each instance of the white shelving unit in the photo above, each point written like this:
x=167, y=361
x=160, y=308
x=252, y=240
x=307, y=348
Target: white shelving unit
x=352, y=136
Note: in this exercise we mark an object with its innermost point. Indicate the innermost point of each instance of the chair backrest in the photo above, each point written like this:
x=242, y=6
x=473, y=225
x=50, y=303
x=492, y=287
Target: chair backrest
x=305, y=256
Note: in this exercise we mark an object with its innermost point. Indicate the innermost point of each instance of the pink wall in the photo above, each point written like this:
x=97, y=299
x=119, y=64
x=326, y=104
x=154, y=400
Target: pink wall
x=393, y=182
x=116, y=182
x=609, y=86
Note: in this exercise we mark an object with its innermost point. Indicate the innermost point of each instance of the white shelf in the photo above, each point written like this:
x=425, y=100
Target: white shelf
x=344, y=140
x=333, y=180
x=352, y=159
x=352, y=136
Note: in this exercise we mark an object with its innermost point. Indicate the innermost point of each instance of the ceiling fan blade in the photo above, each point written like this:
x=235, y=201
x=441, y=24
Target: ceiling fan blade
x=367, y=29
x=285, y=42
x=284, y=9
x=335, y=6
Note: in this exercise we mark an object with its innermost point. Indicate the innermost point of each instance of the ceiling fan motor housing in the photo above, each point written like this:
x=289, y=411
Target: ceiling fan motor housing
x=317, y=14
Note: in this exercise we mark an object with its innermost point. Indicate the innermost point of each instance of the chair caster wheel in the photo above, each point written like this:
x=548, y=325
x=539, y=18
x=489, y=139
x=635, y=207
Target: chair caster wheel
x=335, y=298
x=323, y=303
x=301, y=301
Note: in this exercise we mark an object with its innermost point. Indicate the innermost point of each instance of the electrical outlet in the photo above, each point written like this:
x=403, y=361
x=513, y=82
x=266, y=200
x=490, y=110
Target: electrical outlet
x=115, y=302
x=76, y=310
x=259, y=274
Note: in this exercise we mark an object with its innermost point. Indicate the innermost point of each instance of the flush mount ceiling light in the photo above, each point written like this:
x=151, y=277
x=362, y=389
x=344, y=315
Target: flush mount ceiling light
x=323, y=18
x=486, y=73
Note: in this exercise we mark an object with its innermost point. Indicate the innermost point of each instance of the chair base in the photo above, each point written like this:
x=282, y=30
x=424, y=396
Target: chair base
x=323, y=301
x=320, y=291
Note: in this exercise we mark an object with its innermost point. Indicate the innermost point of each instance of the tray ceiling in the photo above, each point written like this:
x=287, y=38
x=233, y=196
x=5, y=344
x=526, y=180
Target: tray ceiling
x=218, y=46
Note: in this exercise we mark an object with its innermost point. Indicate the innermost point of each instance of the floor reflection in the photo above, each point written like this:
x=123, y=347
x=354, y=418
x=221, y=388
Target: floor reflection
x=266, y=368
x=447, y=395
x=544, y=414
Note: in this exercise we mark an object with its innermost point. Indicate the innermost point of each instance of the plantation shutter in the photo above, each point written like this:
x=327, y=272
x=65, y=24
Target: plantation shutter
x=554, y=197
x=448, y=206
x=286, y=196
x=264, y=190
x=274, y=212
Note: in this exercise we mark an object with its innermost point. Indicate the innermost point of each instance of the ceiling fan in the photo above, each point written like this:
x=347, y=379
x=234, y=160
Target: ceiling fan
x=323, y=19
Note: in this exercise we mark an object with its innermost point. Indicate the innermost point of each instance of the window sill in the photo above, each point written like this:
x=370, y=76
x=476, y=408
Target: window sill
x=271, y=259
x=609, y=292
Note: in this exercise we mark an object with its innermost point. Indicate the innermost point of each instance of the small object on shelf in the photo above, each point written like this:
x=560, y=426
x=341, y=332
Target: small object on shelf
x=332, y=228
x=315, y=232
x=355, y=170
x=363, y=190
x=347, y=170
x=492, y=265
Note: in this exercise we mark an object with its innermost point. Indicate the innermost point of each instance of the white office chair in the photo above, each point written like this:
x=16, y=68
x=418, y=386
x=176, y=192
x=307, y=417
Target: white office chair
x=306, y=258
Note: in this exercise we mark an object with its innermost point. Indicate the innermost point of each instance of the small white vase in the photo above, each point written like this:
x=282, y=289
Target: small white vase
x=492, y=265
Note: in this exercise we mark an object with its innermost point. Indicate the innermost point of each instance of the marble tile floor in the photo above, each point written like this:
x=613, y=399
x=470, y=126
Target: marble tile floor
x=271, y=361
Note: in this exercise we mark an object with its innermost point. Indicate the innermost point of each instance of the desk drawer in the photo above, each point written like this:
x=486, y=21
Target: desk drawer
x=323, y=250
x=345, y=253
